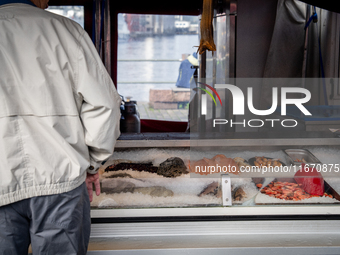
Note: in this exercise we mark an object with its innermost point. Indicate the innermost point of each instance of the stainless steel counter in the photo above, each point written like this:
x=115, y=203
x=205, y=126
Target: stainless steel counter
x=303, y=237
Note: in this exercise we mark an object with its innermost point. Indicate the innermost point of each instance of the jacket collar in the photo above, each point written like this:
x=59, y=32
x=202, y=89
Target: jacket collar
x=2, y=2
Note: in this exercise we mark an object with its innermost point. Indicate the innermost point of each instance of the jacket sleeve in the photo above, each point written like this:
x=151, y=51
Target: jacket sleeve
x=100, y=109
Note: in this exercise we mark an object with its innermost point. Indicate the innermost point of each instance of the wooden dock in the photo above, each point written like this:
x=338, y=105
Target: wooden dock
x=147, y=112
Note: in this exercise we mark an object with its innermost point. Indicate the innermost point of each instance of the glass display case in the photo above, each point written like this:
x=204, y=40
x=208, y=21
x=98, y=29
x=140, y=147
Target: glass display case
x=188, y=173
x=145, y=211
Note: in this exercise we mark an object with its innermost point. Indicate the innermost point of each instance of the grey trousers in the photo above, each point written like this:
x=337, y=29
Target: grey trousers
x=54, y=224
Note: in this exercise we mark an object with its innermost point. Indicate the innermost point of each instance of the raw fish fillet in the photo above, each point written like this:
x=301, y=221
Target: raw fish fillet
x=222, y=160
x=219, y=157
x=311, y=180
x=199, y=163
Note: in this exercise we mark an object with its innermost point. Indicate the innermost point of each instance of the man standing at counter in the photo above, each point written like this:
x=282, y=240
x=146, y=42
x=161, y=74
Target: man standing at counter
x=59, y=119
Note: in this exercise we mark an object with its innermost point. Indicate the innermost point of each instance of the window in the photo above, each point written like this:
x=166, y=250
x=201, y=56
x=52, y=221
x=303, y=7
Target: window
x=75, y=13
x=150, y=51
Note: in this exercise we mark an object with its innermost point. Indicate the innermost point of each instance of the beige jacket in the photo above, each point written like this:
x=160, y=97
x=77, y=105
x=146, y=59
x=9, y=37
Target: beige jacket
x=59, y=110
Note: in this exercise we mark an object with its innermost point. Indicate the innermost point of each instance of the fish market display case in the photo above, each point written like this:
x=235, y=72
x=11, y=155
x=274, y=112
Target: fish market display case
x=153, y=201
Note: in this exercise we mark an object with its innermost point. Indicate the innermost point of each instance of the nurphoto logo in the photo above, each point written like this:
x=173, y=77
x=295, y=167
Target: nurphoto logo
x=239, y=104
x=204, y=97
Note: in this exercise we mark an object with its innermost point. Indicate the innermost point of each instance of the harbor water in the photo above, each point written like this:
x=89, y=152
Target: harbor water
x=137, y=76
